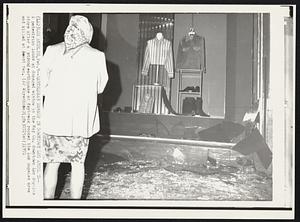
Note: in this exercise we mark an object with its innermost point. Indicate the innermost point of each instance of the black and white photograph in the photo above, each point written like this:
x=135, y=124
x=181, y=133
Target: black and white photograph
x=191, y=79
x=184, y=106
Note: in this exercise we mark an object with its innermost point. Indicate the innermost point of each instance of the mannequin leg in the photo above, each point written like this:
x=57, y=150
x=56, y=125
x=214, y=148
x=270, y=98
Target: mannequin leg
x=50, y=180
x=77, y=179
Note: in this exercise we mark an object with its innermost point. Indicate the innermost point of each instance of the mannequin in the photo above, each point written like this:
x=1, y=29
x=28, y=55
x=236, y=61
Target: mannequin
x=158, y=52
x=158, y=62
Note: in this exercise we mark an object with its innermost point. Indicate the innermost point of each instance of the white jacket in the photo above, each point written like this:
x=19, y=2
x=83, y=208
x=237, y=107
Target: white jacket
x=71, y=83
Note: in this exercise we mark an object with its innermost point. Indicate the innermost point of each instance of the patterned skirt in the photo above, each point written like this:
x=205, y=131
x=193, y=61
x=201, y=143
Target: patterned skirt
x=64, y=149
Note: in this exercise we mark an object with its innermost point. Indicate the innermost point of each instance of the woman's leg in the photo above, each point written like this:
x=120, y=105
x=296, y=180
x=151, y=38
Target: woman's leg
x=50, y=180
x=77, y=179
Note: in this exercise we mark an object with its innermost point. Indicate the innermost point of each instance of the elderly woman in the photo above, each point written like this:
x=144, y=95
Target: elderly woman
x=73, y=74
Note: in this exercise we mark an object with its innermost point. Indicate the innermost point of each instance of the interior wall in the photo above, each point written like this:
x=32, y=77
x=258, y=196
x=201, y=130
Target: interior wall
x=213, y=28
x=121, y=55
x=239, y=65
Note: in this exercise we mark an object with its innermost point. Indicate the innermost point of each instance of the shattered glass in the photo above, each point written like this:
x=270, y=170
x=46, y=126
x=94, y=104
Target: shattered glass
x=136, y=170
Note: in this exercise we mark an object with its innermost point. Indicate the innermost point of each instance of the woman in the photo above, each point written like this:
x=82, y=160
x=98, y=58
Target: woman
x=73, y=74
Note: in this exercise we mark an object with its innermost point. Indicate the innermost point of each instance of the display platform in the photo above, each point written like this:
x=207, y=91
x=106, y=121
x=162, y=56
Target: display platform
x=154, y=125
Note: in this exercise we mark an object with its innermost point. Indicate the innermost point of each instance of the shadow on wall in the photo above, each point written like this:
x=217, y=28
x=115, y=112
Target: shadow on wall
x=113, y=88
x=96, y=35
x=121, y=50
